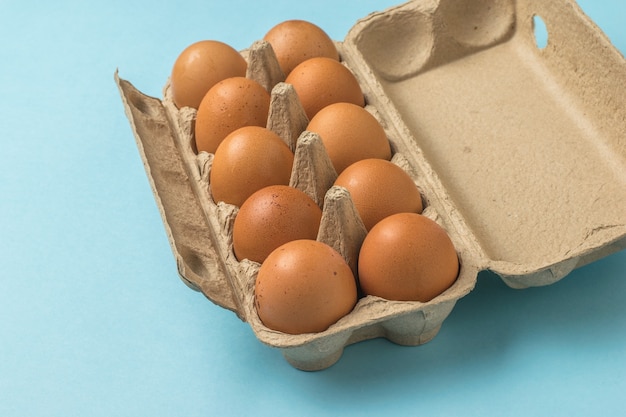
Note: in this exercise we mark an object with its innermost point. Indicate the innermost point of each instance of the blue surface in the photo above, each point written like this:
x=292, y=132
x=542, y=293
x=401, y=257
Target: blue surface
x=95, y=322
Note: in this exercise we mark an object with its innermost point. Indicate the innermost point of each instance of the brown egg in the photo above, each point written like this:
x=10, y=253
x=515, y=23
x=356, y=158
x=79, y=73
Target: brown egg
x=380, y=188
x=230, y=104
x=322, y=81
x=407, y=257
x=273, y=216
x=304, y=286
x=249, y=159
x=350, y=133
x=295, y=41
x=199, y=67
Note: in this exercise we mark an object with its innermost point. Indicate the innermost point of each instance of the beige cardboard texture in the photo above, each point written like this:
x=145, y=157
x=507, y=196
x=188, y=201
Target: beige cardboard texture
x=519, y=152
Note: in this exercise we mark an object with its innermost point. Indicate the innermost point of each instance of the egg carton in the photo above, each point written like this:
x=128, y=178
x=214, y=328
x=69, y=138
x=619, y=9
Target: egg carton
x=519, y=152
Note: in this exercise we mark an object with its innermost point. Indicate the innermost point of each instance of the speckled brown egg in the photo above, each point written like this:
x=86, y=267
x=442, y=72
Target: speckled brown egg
x=273, y=216
x=295, y=41
x=304, y=286
x=248, y=159
x=350, y=133
x=380, y=188
x=322, y=81
x=199, y=67
x=407, y=257
x=230, y=104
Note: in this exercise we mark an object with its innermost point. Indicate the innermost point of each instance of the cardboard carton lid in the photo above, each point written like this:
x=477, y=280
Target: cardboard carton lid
x=523, y=147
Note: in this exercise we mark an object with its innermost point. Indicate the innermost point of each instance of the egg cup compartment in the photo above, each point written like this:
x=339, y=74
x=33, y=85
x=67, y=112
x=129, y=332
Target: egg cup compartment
x=446, y=80
x=406, y=323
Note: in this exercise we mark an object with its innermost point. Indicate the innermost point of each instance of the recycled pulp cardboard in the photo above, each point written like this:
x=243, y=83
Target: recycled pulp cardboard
x=519, y=152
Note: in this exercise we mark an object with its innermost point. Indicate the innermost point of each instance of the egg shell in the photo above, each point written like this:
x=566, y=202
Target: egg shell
x=230, y=104
x=380, y=188
x=199, y=67
x=322, y=81
x=350, y=133
x=247, y=160
x=304, y=286
x=407, y=257
x=295, y=41
x=272, y=216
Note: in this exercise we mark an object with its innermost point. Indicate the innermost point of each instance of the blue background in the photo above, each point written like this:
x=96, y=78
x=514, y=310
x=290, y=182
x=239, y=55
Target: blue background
x=95, y=322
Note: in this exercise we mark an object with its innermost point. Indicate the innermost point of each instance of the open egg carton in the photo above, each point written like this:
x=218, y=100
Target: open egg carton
x=519, y=153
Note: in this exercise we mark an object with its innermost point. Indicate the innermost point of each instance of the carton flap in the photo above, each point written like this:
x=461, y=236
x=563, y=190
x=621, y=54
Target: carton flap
x=189, y=234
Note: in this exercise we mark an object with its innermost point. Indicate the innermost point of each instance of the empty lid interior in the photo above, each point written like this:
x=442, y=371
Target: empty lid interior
x=525, y=130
